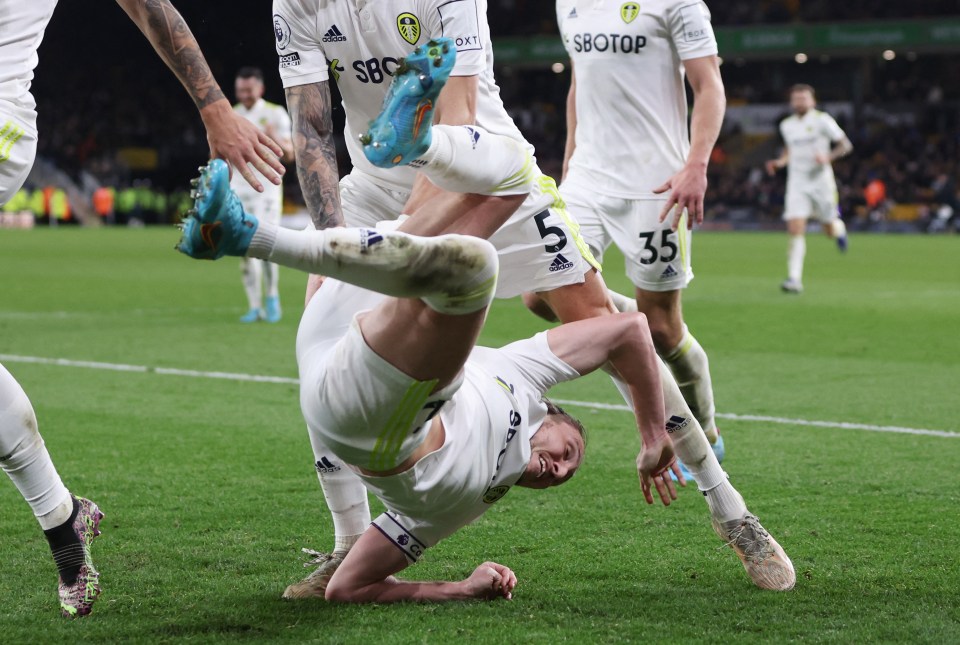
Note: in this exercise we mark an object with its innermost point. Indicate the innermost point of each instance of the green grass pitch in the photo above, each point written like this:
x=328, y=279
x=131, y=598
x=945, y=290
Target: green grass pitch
x=209, y=489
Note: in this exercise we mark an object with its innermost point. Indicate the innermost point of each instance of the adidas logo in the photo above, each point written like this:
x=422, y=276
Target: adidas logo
x=333, y=35
x=560, y=263
x=573, y=13
x=326, y=466
x=675, y=422
x=669, y=272
x=369, y=237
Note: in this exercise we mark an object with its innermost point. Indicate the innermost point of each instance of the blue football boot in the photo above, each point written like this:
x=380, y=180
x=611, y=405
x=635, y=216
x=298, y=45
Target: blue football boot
x=273, y=313
x=402, y=132
x=252, y=316
x=217, y=224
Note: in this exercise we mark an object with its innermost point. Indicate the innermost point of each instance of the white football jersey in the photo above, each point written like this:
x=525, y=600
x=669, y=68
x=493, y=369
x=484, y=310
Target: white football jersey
x=22, y=23
x=266, y=116
x=805, y=137
x=360, y=42
x=489, y=422
x=631, y=102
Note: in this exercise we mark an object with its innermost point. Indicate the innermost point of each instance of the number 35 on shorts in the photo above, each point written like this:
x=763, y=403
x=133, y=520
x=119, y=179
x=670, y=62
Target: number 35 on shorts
x=659, y=245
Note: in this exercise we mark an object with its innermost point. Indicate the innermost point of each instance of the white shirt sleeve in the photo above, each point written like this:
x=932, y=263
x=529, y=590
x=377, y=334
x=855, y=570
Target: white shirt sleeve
x=302, y=60
x=690, y=29
x=830, y=128
x=533, y=359
x=462, y=20
x=413, y=536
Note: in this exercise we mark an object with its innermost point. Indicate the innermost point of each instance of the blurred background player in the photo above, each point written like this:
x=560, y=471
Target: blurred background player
x=627, y=148
x=70, y=523
x=261, y=278
x=811, y=187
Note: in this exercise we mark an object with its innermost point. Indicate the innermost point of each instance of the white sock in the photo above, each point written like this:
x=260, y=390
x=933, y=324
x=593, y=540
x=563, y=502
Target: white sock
x=623, y=304
x=692, y=448
x=252, y=280
x=271, y=278
x=837, y=228
x=452, y=274
x=725, y=503
x=468, y=159
x=345, y=494
x=25, y=459
x=691, y=369
x=795, y=253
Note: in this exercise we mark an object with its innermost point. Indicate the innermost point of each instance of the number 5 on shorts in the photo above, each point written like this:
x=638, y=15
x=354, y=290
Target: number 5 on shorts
x=550, y=230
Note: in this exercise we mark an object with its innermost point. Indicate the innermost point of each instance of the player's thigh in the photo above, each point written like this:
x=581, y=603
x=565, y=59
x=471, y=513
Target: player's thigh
x=825, y=204
x=657, y=258
x=18, y=150
x=585, y=207
x=797, y=204
x=365, y=203
x=540, y=247
x=421, y=342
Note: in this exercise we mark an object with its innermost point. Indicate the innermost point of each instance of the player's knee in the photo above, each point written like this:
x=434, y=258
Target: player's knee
x=337, y=591
x=637, y=326
x=664, y=334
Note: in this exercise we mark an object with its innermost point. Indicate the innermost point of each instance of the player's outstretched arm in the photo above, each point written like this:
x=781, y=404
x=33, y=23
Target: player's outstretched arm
x=773, y=165
x=624, y=339
x=231, y=137
x=366, y=575
x=688, y=187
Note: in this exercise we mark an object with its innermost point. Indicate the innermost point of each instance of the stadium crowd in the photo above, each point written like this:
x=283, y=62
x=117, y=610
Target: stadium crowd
x=107, y=138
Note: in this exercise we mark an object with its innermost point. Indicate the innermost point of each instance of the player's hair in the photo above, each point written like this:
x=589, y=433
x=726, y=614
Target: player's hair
x=803, y=87
x=250, y=72
x=556, y=410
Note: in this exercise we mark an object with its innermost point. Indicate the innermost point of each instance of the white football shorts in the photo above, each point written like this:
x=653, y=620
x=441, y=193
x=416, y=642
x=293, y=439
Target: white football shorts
x=539, y=247
x=819, y=201
x=657, y=259
x=18, y=148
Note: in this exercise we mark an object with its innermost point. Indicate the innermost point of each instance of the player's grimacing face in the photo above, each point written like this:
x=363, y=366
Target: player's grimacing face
x=802, y=101
x=556, y=453
x=248, y=91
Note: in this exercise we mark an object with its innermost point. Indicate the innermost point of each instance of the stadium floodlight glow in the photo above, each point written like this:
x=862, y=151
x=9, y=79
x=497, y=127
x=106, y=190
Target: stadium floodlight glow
x=800, y=58
x=889, y=54
x=557, y=68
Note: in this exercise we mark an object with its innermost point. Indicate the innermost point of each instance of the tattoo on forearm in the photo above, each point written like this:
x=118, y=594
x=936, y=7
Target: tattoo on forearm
x=316, y=152
x=173, y=40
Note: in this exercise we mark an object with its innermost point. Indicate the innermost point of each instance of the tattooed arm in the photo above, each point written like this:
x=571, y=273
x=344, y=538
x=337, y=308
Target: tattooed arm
x=230, y=136
x=316, y=154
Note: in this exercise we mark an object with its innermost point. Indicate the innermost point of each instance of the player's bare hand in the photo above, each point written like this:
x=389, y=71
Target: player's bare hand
x=772, y=166
x=654, y=465
x=687, y=189
x=241, y=143
x=490, y=581
x=822, y=159
x=313, y=284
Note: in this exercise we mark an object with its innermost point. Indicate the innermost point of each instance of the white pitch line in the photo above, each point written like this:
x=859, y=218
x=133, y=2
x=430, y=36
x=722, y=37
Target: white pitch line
x=843, y=425
x=618, y=407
